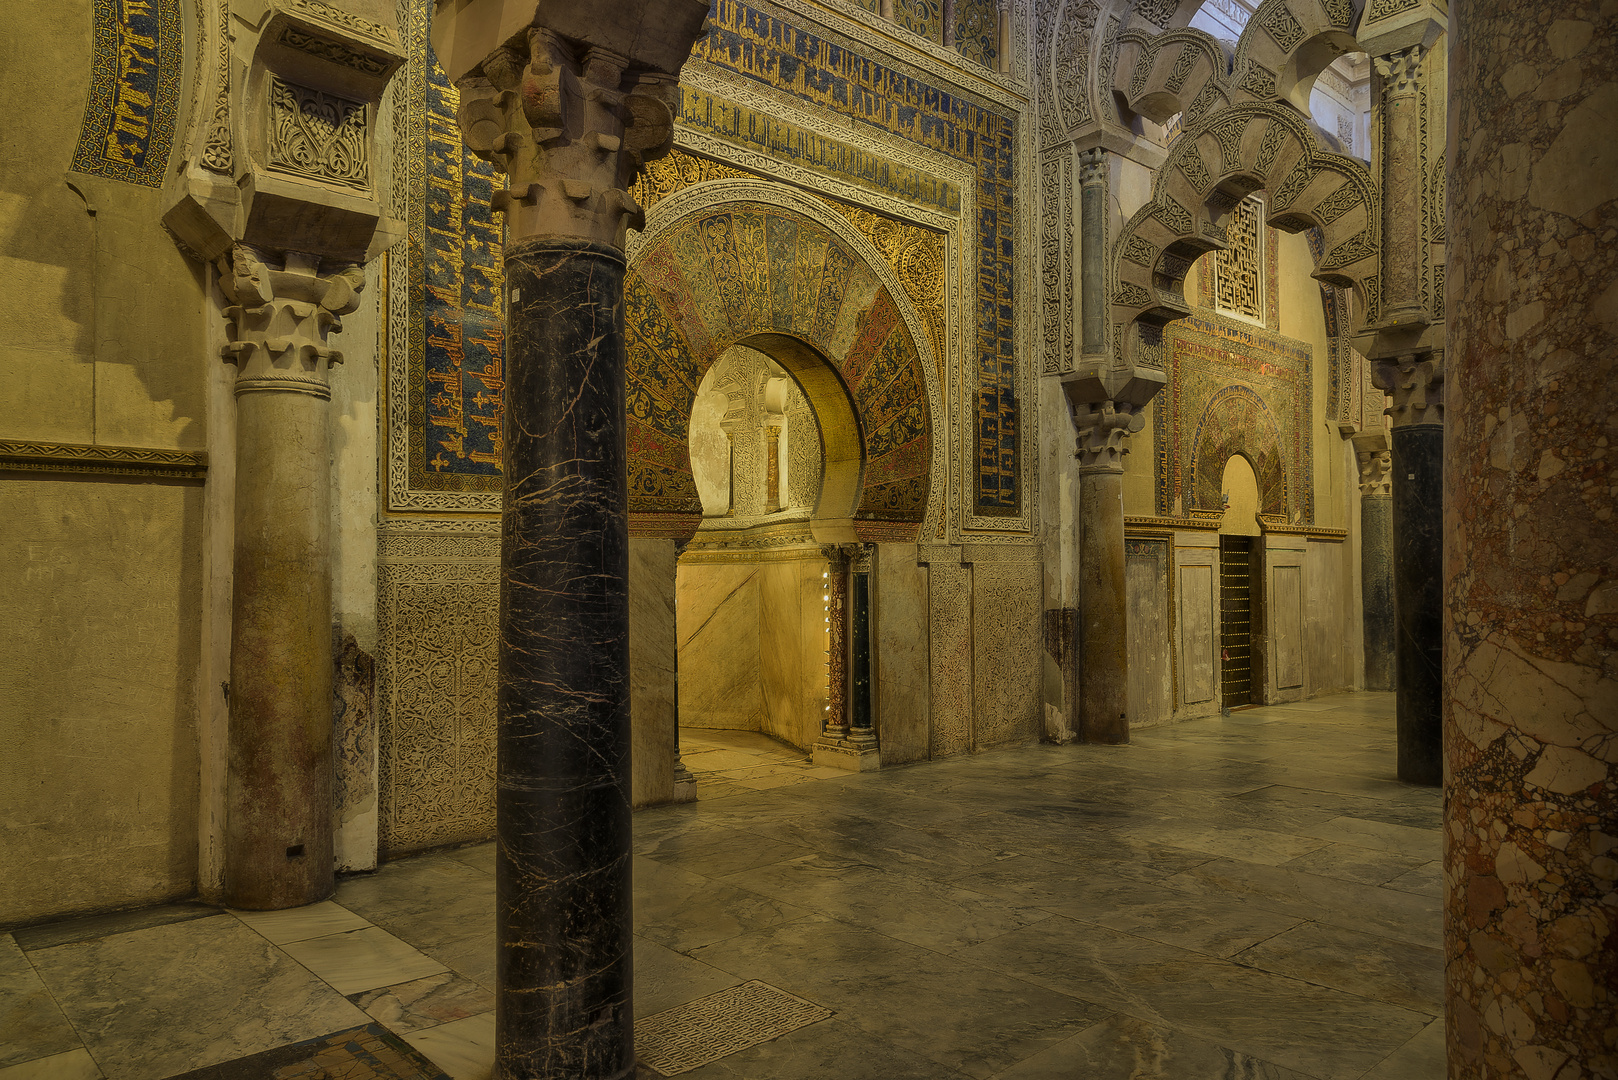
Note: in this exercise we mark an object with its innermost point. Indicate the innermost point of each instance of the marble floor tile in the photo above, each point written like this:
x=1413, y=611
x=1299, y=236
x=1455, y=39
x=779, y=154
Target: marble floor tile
x=960, y=1015
x=421, y=1003
x=155, y=1002
x=1247, y=845
x=463, y=1048
x=478, y=856
x=665, y=978
x=1425, y=845
x=1212, y=927
x=362, y=959
x=1311, y=1029
x=423, y=899
x=73, y=1065
x=716, y=850
x=1422, y=1058
x=832, y=1048
x=1397, y=972
x=1352, y=863
x=1124, y=1048
x=921, y=911
x=1389, y=913
x=1073, y=844
x=31, y=1022
x=1425, y=880
x=98, y=926
x=371, y=1052
x=683, y=911
x=923, y=850
x=299, y=924
x=1029, y=881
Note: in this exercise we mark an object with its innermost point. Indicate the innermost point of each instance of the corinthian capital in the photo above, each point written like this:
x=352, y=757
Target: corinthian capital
x=1415, y=384
x=570, y=110
x=281, y=315
x=1400, y=69
x=1102, y=427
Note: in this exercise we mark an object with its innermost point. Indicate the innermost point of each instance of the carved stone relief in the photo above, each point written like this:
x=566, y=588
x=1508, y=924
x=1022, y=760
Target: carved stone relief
x=317, y=134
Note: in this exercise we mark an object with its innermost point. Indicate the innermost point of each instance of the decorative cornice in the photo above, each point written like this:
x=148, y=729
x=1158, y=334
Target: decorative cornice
x=50, y=457
x=1170, y=524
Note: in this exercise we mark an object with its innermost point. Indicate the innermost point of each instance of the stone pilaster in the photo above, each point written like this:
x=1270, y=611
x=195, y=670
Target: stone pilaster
x=1376, y=558
x=1414, y=383
x=279, y=781
x=568, y=105
x=1531, y=548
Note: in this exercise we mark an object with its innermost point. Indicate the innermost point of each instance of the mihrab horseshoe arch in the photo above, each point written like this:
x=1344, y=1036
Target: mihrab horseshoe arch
x=755, y=263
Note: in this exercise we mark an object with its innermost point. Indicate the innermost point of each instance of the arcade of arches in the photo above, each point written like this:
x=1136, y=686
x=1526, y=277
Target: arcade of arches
x=1096, y=513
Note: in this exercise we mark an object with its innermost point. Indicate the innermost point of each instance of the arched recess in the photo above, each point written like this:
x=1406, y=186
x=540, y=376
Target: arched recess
x=1236, y=422
x=740, y=262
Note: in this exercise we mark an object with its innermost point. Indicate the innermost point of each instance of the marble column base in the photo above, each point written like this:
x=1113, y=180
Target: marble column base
x=850, y=754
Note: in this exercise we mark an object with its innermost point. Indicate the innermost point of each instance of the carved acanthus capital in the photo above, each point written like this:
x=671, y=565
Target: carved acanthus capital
x=1400, y=70
x=1092, y=166
x=1415, y=384
x=281, y=316
x=570, y=126
x=1102, y=428
x=1375, y=469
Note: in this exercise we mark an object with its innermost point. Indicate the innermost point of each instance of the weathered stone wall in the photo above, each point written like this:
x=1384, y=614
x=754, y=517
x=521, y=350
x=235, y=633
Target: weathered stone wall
x=1531, y=552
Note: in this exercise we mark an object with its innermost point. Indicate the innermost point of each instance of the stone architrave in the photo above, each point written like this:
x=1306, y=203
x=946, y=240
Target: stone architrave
x=279, y=191
x=568, y=101
x=1530, y=592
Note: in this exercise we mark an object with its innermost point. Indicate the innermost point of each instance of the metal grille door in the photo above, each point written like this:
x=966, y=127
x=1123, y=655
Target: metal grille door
x=1236, y=620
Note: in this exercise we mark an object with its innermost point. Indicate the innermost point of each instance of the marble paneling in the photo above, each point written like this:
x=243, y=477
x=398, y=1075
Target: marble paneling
x=155, y=1002
x=1151, y=681
x=1199, y=679
x=427, y=1002
x=31, y=1024
x=1330, y=654
x=717, y=626
x=791, y=650
x=962, y=1016
x=1124, y=1048
x=1007, y=635
x=949, y=628
x=903, y=700
x=652, y=677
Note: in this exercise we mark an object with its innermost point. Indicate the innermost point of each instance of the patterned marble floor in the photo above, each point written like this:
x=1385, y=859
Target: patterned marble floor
x=1253, y=896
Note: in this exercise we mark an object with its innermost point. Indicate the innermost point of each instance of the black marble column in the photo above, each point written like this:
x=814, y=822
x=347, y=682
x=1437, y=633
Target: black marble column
x=562, y=877
x=1418, y=587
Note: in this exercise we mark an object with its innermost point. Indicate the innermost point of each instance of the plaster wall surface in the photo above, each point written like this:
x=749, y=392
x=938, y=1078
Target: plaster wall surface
x=98, y=787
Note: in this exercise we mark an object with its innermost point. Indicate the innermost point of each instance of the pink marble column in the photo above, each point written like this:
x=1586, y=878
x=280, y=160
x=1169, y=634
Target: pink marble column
x=1531, y=546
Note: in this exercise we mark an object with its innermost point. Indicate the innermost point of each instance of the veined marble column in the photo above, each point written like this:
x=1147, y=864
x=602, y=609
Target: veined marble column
x=278, y=833
x=1376, y=559
x=1415, y=384
x=1102, y=642
x=1531, y=544
x=569, y=105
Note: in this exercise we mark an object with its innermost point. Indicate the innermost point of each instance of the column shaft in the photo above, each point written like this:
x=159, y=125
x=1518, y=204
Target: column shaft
x=1102, y=640
x=1376, y=578
x=562, y=876
x=279, y=790
x=1418, y=567
x=1531, y=567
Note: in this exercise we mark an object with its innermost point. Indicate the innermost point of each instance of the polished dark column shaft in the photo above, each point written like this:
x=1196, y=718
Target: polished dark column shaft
x=562, y=877
x=1418, y=589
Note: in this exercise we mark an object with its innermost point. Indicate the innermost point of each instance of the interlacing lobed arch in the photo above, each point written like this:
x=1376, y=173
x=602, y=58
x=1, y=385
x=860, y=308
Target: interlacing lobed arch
x=1244, y=126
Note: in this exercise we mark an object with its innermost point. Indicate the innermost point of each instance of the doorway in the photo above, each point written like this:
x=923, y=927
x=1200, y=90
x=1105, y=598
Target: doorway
x=1236, y=621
